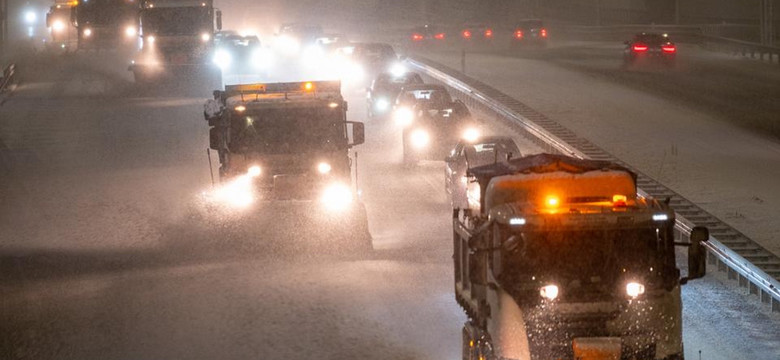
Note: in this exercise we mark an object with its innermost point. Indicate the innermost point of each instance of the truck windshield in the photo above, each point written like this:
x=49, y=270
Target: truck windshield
x=289, y=131
x=595, y=257
x=105, y=12
x=177, y=21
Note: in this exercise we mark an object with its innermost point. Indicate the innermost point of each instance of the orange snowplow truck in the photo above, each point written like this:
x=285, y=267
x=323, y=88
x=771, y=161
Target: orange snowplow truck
x=559, y=258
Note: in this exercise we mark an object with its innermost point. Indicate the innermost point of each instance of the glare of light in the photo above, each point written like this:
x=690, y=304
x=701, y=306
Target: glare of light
x=397, y=70
x=254, y=171
x=634, y=289
x=247, y=32
x=30, y=17
x=150, y=39
x=88, y=33
x=336, y=196
x=382, y=104
x=262, y=58
x=222, y=59
x=240, y=108
x=471, y=135
x=312, y=56
x=420, y=138
x=130, y=31
x=403, y=116
x=205, y=37
x=58, y=25
x=287, y=45
x=308, y=86
x=552, y=201
x=333, y=105
x=517, y=221
x=549, y=292
x=660, y=217
x=323, y=168
x=235, y=193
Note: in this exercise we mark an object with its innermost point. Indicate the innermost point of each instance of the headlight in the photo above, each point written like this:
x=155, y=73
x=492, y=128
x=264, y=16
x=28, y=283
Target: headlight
x=420, y=138
x=323, y=168
x=471, y=135
x=382, y=104
x=288, y=45
x=634, y=289
x=58, y=25
x=30, y=17
x=336, y=197
x=549, y=292
x=150, y=39
x=222, y=59
x=312, y=56
x=130, y=31
x=262, y=58
x=397, y=70
x=236, y=193
x=205, y=37
x=87, y=32
x=403, y=116
x=254, y=171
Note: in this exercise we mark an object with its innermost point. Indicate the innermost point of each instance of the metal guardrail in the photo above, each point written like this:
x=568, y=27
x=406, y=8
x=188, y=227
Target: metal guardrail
x=742, y=259
x=8, y=76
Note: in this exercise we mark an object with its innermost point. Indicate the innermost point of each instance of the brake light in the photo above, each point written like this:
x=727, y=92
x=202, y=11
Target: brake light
x=543, y=32
x=489, y=33
x=639, y=47
x=518, y=34
x=439, y=36
x=417, y=37
x=669, y=48
x=467, y=34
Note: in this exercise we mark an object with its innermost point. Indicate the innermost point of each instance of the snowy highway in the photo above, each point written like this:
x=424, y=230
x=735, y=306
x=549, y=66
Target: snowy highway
x=101, y=258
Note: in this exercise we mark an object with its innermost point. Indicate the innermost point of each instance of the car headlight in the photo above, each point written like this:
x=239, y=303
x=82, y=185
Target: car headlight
x=262, y=58
x=205, y=37
x=87, y=32
x=470, y=135
x=235, y=193
x=549, y=292
x=131, y=31
x=222, y=59
x=288, y=45
x=403, y=116
x=419, y=138
x=336, y=196
x=254, y=171
x=150, y=39
x=397, y=70
x=323, y=168
x=634, y=289
x=382, y=104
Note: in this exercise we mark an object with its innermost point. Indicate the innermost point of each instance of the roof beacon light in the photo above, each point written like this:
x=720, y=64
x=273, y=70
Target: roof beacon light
x=619, y=201
x=308, y=86
x=240, y=108
x=660, y=217
x=552, y=201
x=517, y=221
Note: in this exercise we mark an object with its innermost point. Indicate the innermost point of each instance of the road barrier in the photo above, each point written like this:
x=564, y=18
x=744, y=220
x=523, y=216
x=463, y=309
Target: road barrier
x=730, y=251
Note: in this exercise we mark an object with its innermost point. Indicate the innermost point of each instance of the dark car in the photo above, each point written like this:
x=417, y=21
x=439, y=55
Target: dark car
x=385, y=88
x=374, y=57
x=427, y=35
x=650, y=48
x=469, y=153
x=432, y=122
x=476, y=33
x=530, y=32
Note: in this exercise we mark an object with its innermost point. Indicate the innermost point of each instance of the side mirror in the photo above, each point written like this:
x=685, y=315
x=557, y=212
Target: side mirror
x=219, y=20
x=358, y=133
x=697, y=254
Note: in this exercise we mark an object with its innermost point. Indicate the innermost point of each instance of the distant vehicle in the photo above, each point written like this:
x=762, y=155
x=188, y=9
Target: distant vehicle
x=384, y=90
x=530, y=32
x=374, y=57
x=427, y=35
x=64, y=34
x=237, y=55
x=477, y=33
x=650, y=48
x=470, y=152
x=432, y=122
x=293, y=38
x=106, y=23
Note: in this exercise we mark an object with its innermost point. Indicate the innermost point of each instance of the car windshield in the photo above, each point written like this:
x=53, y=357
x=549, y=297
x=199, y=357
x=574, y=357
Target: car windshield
x=652, y=38
x=176, y=21
x=427, y=96
x=106, y=12
x=289, y=130
x=490, y=152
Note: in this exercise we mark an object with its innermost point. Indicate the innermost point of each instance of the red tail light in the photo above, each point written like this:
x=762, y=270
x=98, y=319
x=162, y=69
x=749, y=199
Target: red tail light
x=417, y=37
x=639, y=47
x=518, y=34
x=669, y=48
x=466, y=34
x=439, y=36
x=543, y=32
x=489, y=33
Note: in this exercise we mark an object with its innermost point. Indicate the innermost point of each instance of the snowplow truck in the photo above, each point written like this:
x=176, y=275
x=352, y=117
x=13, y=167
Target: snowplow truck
x=63, y=33
x=290, y=144
x=106, y=24
x=559, y=258
x=177, y=41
